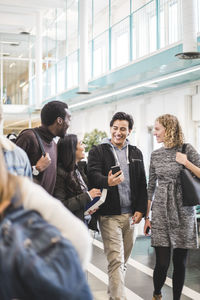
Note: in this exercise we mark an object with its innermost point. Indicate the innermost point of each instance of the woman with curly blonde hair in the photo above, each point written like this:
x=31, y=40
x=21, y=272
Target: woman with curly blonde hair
x=173, y=226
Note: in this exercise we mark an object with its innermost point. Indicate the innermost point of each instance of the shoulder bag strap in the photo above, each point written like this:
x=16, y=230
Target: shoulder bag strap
x=184, y=151
x=39, y=141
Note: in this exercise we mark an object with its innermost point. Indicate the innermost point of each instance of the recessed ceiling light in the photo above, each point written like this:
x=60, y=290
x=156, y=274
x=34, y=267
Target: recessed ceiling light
x=24, y=32
x=14, y=44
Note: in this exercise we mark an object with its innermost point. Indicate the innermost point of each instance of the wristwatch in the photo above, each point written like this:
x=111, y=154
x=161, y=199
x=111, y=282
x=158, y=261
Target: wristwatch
x=35, y=171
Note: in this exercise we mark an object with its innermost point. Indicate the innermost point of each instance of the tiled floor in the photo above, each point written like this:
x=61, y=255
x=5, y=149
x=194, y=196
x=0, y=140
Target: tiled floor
x=139, y=273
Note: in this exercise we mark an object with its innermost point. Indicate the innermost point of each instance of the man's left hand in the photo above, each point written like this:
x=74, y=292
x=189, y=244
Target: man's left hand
x=137, y=217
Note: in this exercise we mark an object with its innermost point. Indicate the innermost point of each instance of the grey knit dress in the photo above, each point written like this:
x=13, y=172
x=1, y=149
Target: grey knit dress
x=172, y=223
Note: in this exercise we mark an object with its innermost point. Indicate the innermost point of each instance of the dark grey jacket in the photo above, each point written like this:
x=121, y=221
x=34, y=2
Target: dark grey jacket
x=100, y=160
x=75, y=201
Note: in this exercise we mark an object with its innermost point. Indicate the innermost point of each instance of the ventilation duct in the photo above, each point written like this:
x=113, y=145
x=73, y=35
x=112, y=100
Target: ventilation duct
x=189, y=25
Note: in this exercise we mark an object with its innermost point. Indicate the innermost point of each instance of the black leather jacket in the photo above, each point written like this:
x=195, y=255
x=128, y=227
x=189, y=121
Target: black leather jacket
x=100, y=160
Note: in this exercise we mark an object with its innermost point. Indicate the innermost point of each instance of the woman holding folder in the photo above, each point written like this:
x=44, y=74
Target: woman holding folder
x=71, y=182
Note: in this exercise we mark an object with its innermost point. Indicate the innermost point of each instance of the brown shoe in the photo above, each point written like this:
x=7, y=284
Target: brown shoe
x=157, y=297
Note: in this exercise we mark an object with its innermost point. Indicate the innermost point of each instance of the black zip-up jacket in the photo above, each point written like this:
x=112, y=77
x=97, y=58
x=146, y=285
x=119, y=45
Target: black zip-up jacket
x=100, y=159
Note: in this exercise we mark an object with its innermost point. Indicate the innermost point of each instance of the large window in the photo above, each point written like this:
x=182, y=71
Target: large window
x=170, y=22
x=72, y=27
x=101, y=16
x=61, y=76
x=120, y=44
x=119, y=31
x=144, y=30
x=101, y=55
x=72, y=70
x=61, y=34
x=51, y=81
x=120, y=9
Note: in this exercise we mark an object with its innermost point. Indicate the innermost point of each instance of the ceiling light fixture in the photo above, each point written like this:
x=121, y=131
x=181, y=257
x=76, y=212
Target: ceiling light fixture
x=134, y=87
x=25, y=32
x=188, y=55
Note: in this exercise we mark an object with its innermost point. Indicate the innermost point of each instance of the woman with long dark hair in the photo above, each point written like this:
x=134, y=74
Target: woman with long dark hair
x=71, y=182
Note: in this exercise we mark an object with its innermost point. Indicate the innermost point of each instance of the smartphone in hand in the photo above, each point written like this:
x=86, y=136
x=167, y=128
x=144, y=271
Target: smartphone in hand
x=148, y=230
x=115, y=169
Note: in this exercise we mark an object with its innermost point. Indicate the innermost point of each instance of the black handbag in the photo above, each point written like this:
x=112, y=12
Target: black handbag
x=36, y=262
x=190, y=186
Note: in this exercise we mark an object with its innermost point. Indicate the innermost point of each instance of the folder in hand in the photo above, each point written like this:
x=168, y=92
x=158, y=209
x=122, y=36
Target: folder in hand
x=96, y=202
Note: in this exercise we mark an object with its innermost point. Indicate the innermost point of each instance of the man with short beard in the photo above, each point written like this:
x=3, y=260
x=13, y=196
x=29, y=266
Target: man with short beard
x=55, y=119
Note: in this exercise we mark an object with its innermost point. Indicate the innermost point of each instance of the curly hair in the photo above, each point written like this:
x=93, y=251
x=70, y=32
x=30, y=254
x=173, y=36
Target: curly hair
x=173, y=132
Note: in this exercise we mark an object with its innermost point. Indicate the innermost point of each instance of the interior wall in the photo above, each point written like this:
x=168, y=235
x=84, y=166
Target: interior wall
x=144, y=109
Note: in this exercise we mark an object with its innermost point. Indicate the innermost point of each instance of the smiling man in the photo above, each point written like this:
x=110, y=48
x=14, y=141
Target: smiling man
x=55, y=119
x=126, y=200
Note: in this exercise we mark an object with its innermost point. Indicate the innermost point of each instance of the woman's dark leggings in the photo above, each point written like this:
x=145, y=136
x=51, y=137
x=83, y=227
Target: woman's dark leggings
x=162, y=264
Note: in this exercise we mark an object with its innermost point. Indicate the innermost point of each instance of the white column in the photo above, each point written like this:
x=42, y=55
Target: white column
x=189, y=22
x=38, y=57
x=83, y=58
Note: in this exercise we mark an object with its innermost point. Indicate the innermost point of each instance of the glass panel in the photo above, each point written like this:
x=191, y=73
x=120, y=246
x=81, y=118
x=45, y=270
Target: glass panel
x=15, y=82
x=33, y=91
x=61, y=35
x=72, y=70
x=101, y=16
x=144, y=25
x=45, y=85
x=120, y=44
x=170, y=22
x=72, y=27
x=120, y=9
x=51, y=42
x=101, y=55
x=49, y=34
x=136, y=4
x=61, y=81
x=51, y=82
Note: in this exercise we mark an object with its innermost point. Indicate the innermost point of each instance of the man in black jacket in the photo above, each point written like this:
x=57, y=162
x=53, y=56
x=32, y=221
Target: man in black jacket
x=126, y=200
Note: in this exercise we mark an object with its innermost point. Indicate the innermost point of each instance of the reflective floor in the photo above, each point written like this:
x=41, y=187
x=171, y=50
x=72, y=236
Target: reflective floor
x=139, y=274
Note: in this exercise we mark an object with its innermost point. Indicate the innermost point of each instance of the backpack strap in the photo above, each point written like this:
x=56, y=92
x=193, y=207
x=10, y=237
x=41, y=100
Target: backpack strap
x=39, y=141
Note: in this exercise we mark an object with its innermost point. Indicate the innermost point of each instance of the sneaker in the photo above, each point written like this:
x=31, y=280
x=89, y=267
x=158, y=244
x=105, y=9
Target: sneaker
x=157, y=297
